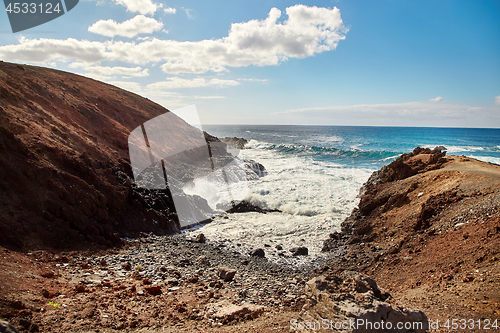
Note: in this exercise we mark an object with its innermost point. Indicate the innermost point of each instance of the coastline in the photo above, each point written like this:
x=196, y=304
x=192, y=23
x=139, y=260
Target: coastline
x=72, y=206
x=189, y=293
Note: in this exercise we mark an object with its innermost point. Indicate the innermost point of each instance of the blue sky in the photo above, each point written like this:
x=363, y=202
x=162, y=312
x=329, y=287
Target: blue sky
x=393, y=63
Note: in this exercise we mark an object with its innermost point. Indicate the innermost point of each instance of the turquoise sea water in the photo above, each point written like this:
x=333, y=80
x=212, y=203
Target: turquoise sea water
x=370, y=147
x=314, y=174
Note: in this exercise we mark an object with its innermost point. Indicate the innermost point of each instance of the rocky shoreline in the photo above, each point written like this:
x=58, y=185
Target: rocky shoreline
x=83, y=249
x=427, y=228
x=172, y=283
x=186, y=283
x=180, y=279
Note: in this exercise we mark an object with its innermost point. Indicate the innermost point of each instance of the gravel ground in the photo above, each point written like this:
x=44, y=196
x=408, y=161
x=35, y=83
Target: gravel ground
x=172, y=260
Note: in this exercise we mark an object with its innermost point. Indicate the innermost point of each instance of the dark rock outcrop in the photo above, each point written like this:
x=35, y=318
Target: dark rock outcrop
x=353, y=297
x=426, y=213
x=299, y=251
x=258, y=253
x=237, y=143
x=372, y=202
x=245, y=206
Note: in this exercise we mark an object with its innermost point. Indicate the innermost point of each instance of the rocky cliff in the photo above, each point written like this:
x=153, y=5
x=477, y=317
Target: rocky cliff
x=64, y=164
x=427, y=229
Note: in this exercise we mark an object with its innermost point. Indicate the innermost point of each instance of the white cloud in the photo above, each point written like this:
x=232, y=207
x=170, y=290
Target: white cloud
x=399, y=114
x=497, y=100
x=169, y=99
x=188, y=12
x=139, y=24
x=177, y=82
x=140, y=6
x=436, y=99
x=254, y=80
x=206, y=97
x=103, y=73
x=43, y=50
x=128, y=85
x=308, y=31
x=170, y=10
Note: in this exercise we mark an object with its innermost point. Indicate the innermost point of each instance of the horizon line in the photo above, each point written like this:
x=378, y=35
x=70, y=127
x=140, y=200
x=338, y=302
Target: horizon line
x=322, y=125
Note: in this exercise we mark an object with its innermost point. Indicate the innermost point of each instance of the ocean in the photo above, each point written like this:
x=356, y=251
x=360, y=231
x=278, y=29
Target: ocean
x=314, y=174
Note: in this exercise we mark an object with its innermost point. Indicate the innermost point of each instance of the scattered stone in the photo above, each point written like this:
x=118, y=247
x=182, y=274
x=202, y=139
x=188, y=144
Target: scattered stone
x=468, y=278
x=47, y=294
x=127, y=266
x=200, y=239
x=226, y=273
x=203, y=260
x=279, y=247
x=172, y=282
x=299, y=251
x=48, y=274
x=184, y=262
x=192, y=279
x=64, y=259
x=224, y=310
x=258, y=253
x=81, y=288
x=18, y=305
x=175, y=273
x=153, y=290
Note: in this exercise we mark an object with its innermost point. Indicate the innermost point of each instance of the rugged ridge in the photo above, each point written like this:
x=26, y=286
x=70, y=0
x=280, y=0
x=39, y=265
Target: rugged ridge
x=427, y=229
x=65, y=173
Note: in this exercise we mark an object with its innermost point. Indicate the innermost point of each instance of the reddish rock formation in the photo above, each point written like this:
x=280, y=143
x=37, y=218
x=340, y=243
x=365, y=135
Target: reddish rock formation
x=428, y=230
x=64, y=164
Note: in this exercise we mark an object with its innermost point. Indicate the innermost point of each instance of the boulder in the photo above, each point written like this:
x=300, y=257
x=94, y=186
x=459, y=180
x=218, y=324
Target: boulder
x=226, y=311
x=226, y=273
x=353, y=297
x=153, y=290
x=299, y=251
x=258, y=253
x=200, y=239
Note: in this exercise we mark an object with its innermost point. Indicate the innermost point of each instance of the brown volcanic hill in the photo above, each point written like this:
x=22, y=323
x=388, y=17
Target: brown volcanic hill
x=64, y=163
x=428, y=230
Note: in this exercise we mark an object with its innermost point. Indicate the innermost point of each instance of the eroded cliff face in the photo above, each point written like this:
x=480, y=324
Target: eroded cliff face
x=427, y=229
x=64, y=164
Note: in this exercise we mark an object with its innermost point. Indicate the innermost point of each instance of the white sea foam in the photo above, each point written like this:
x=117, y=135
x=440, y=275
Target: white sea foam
x=456, y=149
x=391, y=157
x=254, y=230
x=314, y=197
x=489, y=159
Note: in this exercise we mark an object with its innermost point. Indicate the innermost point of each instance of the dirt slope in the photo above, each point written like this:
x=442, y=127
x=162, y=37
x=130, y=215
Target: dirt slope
x=428, y=230
x=64, y=161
